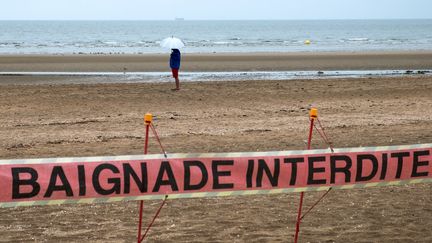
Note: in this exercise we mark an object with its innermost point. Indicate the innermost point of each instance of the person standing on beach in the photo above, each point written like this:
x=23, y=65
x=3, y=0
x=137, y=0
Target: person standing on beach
x=175, y=66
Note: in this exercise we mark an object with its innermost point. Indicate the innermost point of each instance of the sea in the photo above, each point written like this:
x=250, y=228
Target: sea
x=138, y=37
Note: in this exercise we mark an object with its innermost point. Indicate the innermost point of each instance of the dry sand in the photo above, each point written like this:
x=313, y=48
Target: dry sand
x=106, y=119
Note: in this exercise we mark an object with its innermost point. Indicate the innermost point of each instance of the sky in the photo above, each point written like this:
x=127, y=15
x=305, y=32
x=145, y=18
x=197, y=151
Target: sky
x=213, y=9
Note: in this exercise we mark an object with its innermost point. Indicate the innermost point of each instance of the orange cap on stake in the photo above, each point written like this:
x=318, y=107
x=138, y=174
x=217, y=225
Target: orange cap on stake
x=313, y=113
x=148, y=118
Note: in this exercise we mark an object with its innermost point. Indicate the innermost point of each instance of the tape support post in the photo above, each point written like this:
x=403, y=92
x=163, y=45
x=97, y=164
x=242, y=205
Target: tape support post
x=145, y=177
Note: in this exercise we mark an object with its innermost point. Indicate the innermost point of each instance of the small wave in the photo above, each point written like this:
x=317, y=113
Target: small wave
x=110, y=42
x=221, y=42
x=396, y=40
x=286, y=42
x=358, y=39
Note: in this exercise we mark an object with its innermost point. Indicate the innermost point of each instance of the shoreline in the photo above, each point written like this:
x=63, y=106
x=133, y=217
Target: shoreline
x=41, y=78
x=257, y=61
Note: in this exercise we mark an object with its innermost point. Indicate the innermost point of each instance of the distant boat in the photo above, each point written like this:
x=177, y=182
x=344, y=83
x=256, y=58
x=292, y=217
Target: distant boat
x=179, y=19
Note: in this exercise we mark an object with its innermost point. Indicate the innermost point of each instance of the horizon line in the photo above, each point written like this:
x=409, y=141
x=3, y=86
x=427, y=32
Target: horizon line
x=185, y=19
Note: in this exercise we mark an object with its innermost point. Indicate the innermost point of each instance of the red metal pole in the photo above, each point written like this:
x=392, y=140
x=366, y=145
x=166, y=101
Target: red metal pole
x=313, y=115
x=299, y=218
x=146, y=138
x=147, y=121
x=141, y=205
x=310, y=133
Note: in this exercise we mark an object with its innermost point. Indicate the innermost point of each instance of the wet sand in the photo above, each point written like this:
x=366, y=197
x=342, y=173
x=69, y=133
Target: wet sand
x=107, y=119
x=221, y=62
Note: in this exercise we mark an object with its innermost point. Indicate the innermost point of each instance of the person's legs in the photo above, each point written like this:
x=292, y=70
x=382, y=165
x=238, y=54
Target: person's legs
x=175, y=75
x=177, y=84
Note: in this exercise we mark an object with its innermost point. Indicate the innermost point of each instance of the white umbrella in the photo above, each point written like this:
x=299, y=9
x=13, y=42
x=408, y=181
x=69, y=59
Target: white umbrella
x=172, y=43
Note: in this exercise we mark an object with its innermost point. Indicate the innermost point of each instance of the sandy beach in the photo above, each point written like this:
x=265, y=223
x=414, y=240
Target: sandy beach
x=61, y=120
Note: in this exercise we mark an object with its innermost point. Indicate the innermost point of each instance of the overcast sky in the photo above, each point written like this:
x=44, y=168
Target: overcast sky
x=213, y=9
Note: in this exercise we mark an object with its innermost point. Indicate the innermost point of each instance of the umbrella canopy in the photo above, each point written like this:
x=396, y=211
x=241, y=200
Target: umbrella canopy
x=172, y=43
